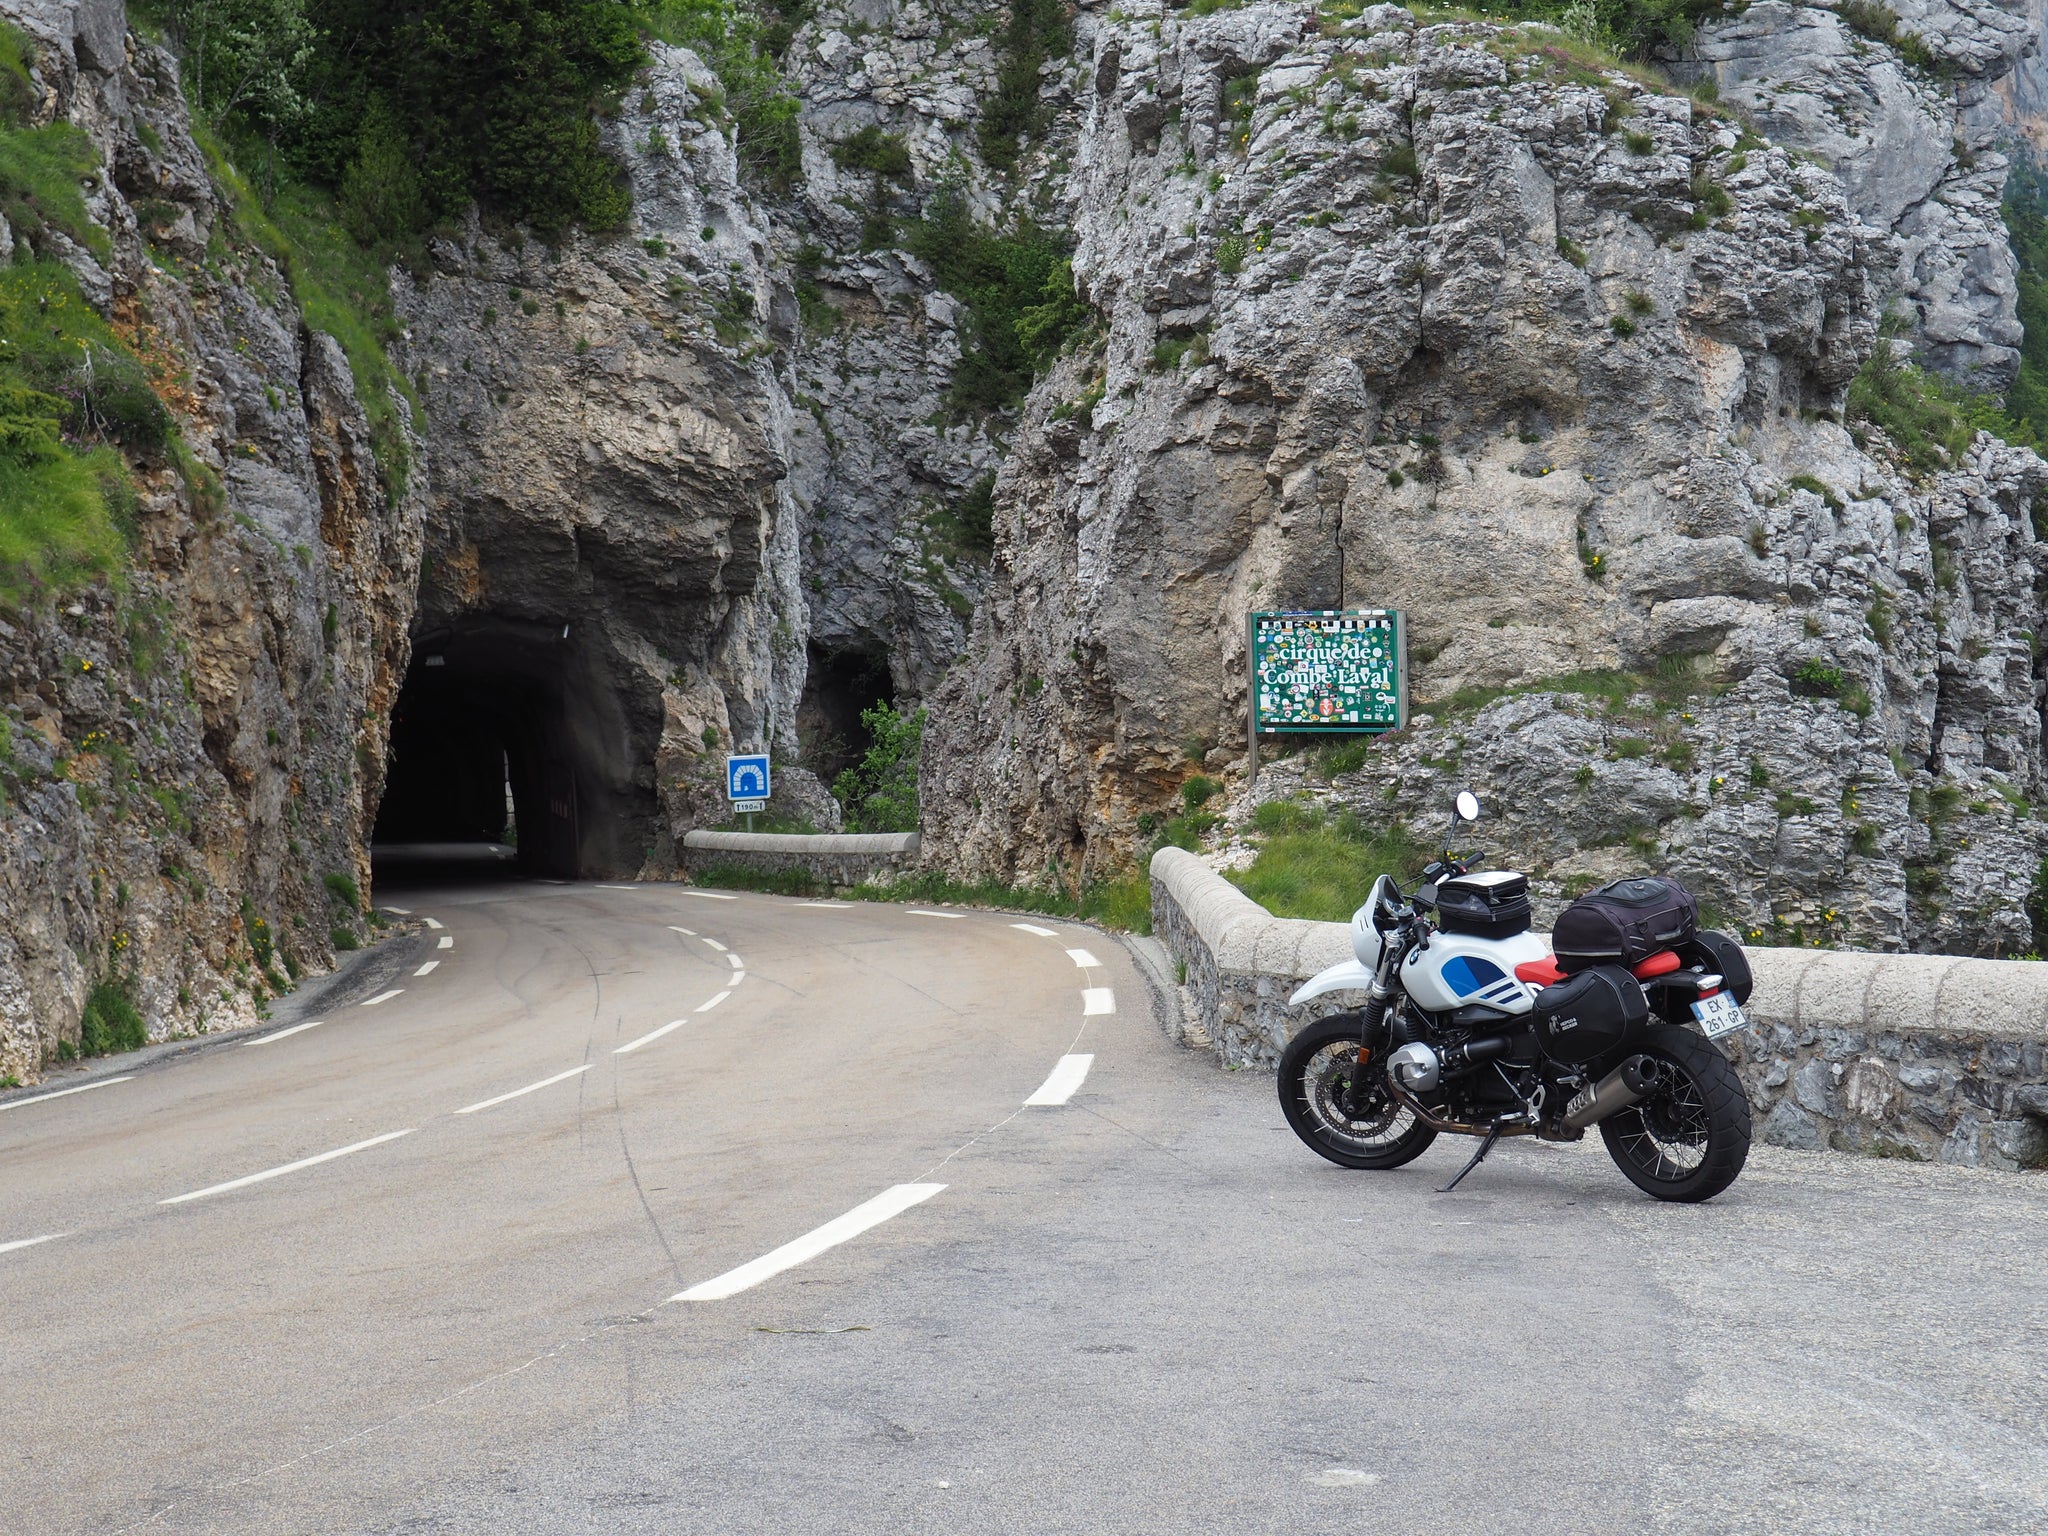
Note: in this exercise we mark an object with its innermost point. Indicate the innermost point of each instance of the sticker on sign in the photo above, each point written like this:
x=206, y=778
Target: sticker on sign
x=747, y=778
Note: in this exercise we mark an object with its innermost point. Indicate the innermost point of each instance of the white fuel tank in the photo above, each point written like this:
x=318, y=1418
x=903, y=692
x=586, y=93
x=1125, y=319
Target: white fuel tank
x=1458, y=970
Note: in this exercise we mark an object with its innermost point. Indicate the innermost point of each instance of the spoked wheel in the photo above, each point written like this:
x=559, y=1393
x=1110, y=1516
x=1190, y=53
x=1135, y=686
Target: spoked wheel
x=1688, y=1137
x=1315, y=1074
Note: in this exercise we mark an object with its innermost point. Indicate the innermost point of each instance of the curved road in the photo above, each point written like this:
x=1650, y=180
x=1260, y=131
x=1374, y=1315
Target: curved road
x=644, y=1209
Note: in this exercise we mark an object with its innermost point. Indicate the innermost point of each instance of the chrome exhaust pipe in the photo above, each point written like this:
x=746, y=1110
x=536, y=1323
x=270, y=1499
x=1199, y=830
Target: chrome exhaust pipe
x=1626, y=1084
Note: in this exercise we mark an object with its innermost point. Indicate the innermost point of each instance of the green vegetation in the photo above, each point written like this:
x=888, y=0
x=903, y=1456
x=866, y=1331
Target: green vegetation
x=408, y=116
x=1931, y=421
x=342, y=888
x=1124, y=904
x=1817, y=679
x=2026, y=221
x=1630, y=29
x=1019, y=292
x=1314, y=865
x=1035, y=31
x=741, y=42
x=879, y=792
x=111, y=1021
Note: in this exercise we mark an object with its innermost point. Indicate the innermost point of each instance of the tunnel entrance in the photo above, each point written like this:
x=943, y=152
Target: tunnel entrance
x=506, y=734
x=838, y=684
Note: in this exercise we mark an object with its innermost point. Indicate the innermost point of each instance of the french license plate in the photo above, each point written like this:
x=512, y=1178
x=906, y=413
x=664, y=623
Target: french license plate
x=1719, y=1015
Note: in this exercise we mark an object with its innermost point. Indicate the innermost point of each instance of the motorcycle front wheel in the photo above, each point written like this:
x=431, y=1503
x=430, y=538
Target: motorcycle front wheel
x=1315, y=1071
x=1688, y=1138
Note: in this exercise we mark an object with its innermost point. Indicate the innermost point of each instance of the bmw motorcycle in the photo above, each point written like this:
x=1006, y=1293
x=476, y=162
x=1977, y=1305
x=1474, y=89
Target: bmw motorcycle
x=1473, y=1026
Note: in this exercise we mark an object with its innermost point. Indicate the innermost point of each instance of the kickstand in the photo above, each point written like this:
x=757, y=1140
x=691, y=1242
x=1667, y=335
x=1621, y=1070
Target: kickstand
x=1478, y=1157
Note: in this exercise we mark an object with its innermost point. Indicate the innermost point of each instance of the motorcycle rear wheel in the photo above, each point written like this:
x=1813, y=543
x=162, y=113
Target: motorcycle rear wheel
x=1689, y=1138
x=1315, y=1069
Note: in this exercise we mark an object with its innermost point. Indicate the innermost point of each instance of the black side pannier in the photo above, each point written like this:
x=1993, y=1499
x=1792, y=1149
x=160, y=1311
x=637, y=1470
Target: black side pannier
x=1493, y=905
x=1590, y=1015
x=1624, y=923
x=1718, y=952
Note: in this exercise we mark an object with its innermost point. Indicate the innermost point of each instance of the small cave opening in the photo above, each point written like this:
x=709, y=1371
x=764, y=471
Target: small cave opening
x=510, y=751
x=841, y=682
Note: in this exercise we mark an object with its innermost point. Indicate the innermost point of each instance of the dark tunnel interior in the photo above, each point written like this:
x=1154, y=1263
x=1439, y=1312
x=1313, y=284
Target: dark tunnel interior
x=505, y=733
x=839, y=684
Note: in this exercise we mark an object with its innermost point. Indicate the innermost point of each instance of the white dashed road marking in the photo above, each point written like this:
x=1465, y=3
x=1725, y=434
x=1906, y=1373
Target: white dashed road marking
x=520, y=1093
x=1043, y=933
x=650, y=1037
x=272, y=1173
x=737, y=977
x=716, y=945
x=926, y=912
x=828, y=906
x=1066, y=1077
x=62, y=1093
x=30, y=1242
x=891, y=1202
x=444, y=942
x=309, y=1024
x=1082, y=958
x=708, y=895
x=618, y=887
x=382, y=997
x=401, y=911
x=688, y=933
x=425, y=969
x=1096, y=1000
x=734, y=961
x=713, y=1001
x=433, y=922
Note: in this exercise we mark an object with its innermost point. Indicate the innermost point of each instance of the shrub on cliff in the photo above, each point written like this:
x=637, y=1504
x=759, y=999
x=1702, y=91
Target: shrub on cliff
x=880, y=791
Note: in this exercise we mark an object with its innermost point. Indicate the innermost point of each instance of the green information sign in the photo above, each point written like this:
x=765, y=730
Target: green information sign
x=1329, y=670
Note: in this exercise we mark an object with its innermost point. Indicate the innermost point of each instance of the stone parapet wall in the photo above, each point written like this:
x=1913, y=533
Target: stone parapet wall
x=1920, y=1056
x=836, y=858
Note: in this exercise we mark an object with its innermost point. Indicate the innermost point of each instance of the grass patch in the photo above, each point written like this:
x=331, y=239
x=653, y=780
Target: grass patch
x=1930, y=421
x=1124, y=904
x=1314, y=865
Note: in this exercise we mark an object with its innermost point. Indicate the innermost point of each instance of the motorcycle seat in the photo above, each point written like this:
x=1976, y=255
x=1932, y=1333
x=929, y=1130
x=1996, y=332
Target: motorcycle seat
x=1540, y=973
x=1662, y=963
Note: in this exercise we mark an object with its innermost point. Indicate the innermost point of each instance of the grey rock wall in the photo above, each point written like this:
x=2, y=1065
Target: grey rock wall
x=191, y=750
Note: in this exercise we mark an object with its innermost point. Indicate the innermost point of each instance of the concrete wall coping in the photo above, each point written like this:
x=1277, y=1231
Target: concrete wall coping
x=867, y=843
x=1816, y=988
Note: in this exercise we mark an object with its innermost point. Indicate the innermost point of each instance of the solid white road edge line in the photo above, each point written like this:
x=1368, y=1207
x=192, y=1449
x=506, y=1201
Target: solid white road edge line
x=651, y=1036
x=66, y=1092
x=927, y=912
x=1043, y=933
x=1096, y=1000
x=716, y=945
x=433, y=922
x=712, y=1002
x=520, y=1093
x=893, y=1201
x=444, y=942
x=381, y=997
x=429, y=966
x=309, y=1024
x=1068, y=1073
x=30, y=1242
x=272, y=1173
x=707, y=895
x=1082, y=958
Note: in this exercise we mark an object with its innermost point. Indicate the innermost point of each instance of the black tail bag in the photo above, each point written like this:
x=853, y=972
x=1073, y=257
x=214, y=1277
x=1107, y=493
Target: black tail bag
x=1717, y=952
x=1624, y=923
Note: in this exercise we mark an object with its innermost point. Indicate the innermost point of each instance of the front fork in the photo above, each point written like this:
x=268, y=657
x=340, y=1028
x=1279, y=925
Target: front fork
x=1371, y=1021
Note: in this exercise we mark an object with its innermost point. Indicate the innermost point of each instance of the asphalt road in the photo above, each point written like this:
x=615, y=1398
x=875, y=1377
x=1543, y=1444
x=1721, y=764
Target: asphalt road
x=1145, y=1309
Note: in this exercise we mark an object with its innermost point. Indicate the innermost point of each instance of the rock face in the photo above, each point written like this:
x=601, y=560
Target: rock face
x=1436, y=318
x=1914, y=144
x=189, y=753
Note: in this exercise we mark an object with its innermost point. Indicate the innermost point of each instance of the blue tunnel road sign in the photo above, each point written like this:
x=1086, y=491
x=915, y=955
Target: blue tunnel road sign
x=746, y=778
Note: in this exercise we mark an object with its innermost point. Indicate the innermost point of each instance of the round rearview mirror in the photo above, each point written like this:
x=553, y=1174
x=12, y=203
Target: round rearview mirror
x=1468, y=805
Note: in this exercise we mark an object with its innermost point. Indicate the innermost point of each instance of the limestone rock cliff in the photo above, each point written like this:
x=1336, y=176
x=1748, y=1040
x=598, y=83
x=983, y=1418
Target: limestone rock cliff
x=191, y=750
x=1438, y=318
